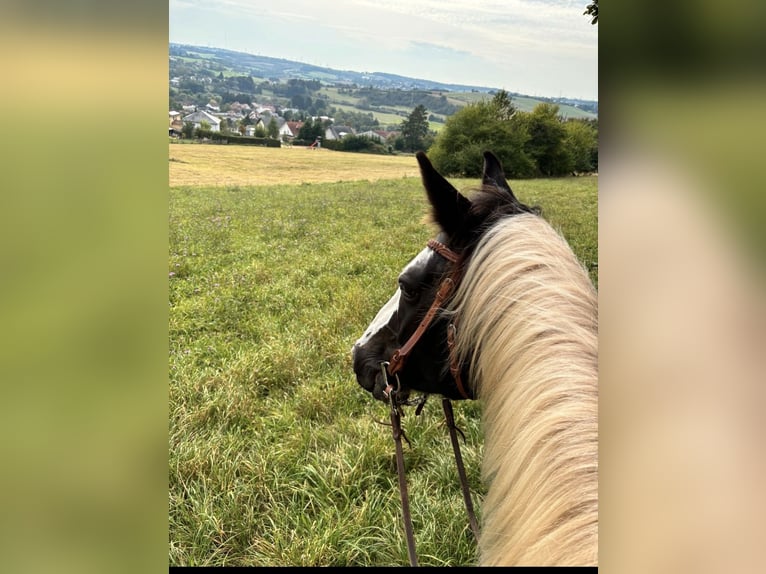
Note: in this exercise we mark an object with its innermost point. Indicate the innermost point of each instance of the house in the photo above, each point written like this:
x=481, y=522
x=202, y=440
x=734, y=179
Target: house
x=202, y=116
x=386, y=134
x=284, y=128
x=338, y=132
x=267, y=108
x=176, y=124
x=295, y=127
x=377, y=135
x=241, y=109
x=282, y=125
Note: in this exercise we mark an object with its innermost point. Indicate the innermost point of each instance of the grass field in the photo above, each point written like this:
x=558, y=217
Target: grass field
x=227, y=165
x=275, y=453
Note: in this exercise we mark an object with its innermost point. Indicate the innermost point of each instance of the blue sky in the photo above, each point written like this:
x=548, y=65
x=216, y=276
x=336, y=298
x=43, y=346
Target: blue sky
x=536, y=47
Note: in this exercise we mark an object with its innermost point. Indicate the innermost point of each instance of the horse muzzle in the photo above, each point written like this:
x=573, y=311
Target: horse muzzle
x=370, y=376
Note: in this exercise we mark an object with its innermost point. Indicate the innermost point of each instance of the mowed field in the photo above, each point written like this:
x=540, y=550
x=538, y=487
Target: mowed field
x=222, y=165
x=278, y=259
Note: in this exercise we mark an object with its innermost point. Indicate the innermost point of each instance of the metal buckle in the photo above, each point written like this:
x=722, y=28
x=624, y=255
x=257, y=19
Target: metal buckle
x=389, y=390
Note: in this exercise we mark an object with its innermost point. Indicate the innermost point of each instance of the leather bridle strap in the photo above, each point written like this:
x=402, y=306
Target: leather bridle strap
x=450, y=418
x=443, y=250
x=406, y=517
x=445, y=290
x=397, y=359
x=394, y=366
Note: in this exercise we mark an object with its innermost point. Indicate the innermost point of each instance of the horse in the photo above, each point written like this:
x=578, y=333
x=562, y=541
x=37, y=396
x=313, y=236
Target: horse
x=497, y=308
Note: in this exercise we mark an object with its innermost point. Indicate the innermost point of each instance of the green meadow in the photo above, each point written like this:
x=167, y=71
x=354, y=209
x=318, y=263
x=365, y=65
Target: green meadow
x=276, y=455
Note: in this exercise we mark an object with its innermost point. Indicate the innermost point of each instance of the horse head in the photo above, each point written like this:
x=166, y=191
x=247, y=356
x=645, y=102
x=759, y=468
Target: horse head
x=413, y=324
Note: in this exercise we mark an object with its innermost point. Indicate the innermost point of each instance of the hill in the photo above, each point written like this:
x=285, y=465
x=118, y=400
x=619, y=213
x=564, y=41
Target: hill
x=186, y=59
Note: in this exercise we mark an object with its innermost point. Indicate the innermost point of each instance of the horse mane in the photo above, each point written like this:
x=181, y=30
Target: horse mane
x=529, y=308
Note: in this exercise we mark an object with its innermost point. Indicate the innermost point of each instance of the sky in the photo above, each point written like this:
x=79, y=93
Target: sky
x=534, y=47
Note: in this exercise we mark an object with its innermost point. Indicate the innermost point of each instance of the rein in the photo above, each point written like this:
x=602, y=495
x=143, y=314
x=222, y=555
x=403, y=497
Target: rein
x=392, y=368
x=398, y=433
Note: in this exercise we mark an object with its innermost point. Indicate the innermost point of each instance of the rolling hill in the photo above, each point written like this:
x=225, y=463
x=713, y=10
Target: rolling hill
x=185, y=57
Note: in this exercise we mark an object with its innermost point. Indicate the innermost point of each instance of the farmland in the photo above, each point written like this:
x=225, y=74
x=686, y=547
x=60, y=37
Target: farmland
x=215, y=165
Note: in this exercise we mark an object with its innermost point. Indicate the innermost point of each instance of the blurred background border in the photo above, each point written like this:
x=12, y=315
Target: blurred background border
x=84, y=286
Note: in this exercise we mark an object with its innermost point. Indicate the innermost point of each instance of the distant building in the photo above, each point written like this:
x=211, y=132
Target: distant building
x=377, y=135
x=295, y=127
x=338, y=132
x=202, y=116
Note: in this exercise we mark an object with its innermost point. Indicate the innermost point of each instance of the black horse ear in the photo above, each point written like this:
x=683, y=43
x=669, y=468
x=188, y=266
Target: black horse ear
x=449, y=205
x=493, y=173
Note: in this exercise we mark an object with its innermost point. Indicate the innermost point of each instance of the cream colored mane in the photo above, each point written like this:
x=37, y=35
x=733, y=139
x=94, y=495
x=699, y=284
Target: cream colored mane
x=529, y=308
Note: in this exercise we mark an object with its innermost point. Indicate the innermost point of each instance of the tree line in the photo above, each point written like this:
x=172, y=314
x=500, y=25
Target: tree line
x=530, y=144
x=374, y=97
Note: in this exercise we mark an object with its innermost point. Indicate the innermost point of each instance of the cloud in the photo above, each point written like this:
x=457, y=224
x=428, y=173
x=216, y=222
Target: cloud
x=439, y=51
x=543, y=47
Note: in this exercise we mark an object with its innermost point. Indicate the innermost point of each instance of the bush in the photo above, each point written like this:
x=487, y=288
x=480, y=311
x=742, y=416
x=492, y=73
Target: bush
x=531, y=144
x=352, y=143
x=457, y=150
x=203, y=133
x=582, y=141
x=229, y=138
x=547, y=144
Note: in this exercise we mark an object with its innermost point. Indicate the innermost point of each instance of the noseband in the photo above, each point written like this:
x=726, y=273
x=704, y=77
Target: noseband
x=446, y=289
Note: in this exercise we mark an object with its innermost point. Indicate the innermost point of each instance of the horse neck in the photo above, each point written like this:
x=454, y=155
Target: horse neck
x=527, y=324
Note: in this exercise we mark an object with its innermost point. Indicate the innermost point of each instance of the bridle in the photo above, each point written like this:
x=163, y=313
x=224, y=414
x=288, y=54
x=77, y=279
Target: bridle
x=446, y=288
x=391, y=369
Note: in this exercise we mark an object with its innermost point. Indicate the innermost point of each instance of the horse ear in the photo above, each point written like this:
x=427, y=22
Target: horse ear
x=449, y=205
x=493, y=173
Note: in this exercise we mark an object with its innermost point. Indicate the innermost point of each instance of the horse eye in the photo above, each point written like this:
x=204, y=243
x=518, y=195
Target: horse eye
x=407, y=291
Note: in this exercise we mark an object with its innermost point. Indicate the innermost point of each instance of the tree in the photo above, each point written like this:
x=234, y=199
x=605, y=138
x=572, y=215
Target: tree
x=245, y=84
x=188, y=130
x=311, y=130
x=546, y=144
x=582, y=142
x=300, y=101
x=503, y=104
x=360, y=121
x=592, y=10
x=273, y=129
x=485, y=125
x=415, y=128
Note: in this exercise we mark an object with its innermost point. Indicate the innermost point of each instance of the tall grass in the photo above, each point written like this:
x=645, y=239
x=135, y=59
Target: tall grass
x=276, y=454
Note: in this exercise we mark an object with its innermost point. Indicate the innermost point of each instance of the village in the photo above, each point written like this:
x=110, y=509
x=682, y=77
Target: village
x=261, y=120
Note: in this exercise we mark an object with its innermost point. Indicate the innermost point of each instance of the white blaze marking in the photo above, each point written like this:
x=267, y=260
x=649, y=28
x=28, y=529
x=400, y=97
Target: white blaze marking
x=380, y=320
x=387, y=311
